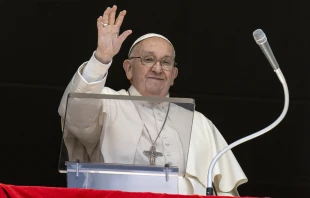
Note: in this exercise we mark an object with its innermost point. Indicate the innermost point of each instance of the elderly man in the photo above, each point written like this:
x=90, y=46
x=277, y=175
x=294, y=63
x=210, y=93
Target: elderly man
x=151, y=70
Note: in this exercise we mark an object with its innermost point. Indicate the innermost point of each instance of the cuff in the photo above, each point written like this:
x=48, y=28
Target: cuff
x=95, y=70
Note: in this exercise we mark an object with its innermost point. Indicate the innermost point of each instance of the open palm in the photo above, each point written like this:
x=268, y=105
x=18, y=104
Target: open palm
x=109, y=40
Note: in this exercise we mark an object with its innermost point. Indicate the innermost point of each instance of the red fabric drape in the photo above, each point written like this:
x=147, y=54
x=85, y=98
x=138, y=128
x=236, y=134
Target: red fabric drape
x=52, y=192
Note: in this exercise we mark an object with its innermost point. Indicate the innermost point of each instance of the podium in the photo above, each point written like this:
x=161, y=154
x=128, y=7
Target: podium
x=103, y=136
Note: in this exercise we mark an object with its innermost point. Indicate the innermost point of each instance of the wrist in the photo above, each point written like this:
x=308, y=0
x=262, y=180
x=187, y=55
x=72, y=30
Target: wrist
x=102, y=58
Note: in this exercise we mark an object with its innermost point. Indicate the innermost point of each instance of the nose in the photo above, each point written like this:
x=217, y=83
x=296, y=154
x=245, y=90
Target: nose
x=157, y=67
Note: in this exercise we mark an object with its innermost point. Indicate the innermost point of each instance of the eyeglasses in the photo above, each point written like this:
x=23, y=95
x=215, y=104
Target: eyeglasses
x=150, y=61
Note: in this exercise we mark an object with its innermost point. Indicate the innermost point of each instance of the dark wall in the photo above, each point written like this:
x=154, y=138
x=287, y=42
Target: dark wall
x=220, y=66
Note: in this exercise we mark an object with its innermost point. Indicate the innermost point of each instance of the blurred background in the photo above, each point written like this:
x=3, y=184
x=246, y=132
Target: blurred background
x=43, y=42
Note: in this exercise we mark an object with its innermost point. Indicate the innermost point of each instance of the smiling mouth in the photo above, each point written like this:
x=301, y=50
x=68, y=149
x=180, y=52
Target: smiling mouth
x=155, y=78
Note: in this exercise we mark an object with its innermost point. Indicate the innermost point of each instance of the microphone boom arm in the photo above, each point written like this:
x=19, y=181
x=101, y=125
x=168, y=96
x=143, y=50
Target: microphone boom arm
x=247, y=138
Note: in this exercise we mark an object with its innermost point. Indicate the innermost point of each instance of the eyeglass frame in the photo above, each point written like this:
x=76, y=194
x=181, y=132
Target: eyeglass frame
x=141, y=57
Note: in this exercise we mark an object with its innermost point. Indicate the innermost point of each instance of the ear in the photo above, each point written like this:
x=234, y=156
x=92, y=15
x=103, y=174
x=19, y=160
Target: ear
x=128, y=69
x=174, y=74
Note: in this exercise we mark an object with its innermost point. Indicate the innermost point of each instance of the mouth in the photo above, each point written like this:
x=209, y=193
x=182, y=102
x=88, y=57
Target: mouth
x=155, y=78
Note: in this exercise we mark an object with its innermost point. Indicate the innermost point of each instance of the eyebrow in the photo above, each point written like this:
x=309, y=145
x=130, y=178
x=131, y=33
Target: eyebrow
x=152, y=53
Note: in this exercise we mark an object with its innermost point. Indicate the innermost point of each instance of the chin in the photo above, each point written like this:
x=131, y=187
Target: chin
x=155, y=92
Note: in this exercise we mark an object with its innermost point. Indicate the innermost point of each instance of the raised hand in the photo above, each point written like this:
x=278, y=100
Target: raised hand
x=109, y=40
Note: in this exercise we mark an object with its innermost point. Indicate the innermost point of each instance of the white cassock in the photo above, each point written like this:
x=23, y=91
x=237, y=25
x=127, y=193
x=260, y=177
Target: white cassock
x=113, y=132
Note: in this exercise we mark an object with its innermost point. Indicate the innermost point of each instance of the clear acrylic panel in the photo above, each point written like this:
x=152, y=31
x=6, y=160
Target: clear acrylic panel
x=134, y=178
x=120, y=129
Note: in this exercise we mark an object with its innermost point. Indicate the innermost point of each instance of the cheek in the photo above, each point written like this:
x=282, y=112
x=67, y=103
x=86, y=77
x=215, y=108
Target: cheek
x=168, y=76
x=139, y=73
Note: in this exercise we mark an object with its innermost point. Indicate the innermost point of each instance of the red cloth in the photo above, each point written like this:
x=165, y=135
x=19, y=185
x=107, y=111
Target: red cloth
x=52, y=192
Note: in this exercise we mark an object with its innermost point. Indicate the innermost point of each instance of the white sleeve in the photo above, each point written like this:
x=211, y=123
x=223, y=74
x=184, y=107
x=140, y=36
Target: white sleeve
x=83, y=116
x=95, y=70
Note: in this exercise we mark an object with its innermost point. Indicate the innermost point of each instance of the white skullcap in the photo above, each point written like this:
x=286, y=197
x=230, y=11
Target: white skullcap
x=149, y=35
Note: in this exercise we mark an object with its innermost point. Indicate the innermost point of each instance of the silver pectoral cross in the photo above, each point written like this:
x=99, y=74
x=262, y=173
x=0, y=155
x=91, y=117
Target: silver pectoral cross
x=152, y=154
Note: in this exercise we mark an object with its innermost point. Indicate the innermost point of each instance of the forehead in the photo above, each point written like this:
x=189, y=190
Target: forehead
x=156, y=46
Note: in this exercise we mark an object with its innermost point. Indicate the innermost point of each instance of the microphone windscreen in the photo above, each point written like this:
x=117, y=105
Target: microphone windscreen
x=259, y=36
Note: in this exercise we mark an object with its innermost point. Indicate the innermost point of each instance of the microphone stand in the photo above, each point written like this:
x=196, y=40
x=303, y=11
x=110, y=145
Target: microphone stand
x=247, y=138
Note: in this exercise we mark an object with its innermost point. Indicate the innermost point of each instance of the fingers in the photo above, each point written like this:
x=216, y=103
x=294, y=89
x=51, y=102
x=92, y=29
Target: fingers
x=124, y=35
x=109, y=16
x=109, y=19
x=99, y=24
x=112, y=15
x=120, y=18
x=106, y=14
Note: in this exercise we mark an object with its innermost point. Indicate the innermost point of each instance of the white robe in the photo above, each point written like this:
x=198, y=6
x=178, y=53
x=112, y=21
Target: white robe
x=85, y=127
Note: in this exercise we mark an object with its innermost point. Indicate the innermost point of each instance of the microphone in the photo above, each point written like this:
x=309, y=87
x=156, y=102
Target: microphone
x=261, y=40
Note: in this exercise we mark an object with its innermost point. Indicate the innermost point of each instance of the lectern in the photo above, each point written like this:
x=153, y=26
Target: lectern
x=97, y=131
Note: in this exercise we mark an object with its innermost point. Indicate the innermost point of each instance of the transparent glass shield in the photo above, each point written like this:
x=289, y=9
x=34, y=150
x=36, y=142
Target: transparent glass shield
x=128, y=130
x=134, y=178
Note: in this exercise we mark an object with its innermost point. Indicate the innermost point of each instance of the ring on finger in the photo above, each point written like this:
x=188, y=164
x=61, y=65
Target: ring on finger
x=104, y=24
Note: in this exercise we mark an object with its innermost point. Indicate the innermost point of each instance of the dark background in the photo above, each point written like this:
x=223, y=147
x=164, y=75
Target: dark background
x=43, y=43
